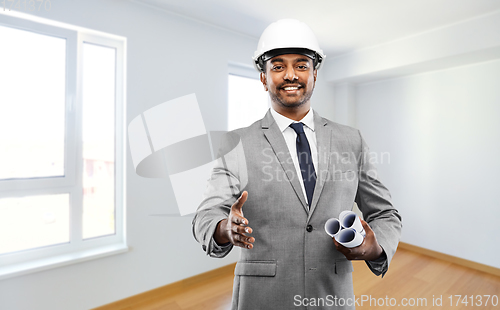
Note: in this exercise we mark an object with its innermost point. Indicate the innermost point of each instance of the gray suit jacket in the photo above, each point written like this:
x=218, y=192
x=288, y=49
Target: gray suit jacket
x=293, y=258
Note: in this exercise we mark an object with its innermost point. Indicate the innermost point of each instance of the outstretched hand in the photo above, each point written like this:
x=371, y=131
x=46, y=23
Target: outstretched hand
x=235, y=227
x=368, y=250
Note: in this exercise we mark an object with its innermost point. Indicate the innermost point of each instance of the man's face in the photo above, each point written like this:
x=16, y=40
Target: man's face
x=289, y=79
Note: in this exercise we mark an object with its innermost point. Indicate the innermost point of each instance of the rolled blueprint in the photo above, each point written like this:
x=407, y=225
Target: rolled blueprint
x=349, y=219
x=332, y=227
x=349, y=238
x=347, y=230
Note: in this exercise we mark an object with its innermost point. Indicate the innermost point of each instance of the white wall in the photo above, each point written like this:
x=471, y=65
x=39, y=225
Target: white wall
x=466, y=42
x=323, y=96
x=442, y=130
x=168, y=56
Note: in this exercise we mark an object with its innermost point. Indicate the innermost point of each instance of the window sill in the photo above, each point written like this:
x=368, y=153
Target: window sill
x=13, y=270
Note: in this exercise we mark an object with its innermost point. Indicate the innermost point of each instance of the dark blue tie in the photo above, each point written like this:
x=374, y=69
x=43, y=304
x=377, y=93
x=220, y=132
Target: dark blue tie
x=305, y=160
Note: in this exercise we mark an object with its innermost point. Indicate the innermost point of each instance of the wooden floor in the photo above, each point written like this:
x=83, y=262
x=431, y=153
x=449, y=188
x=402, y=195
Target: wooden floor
x=412, y=279
x=412, y=276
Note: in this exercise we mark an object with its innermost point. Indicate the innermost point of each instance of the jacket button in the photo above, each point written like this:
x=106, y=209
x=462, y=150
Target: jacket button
x=309, y=228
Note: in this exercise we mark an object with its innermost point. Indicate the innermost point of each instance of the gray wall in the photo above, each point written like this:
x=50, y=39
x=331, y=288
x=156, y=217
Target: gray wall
x=431, y=101
x=442, y=130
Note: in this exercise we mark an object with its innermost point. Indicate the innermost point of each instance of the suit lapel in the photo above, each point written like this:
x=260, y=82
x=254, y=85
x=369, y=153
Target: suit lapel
x=280, y=149
x=323, y=139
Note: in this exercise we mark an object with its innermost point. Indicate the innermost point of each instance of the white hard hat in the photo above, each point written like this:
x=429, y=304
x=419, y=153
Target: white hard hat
x=287, y=36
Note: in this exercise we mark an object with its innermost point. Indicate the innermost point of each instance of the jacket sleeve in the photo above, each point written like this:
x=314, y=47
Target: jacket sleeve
x=374, y=201
x=223, y=188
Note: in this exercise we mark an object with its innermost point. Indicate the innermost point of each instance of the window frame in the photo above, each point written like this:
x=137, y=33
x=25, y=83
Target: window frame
x=22, y=185
x=241, y=70
x=78, y=249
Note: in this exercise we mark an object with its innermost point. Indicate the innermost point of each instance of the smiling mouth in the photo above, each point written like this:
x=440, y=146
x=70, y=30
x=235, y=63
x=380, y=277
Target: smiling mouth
x=292, y=90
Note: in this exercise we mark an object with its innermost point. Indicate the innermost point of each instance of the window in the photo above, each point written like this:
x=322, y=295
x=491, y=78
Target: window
x=62, y=114
x=247, y=100
x=98, y=133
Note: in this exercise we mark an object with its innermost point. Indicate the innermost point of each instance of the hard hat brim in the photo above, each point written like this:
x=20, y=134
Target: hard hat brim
x=282, y=51
x=260, y=61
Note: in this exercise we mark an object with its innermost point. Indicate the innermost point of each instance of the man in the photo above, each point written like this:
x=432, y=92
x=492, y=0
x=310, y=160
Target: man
x=279, y=180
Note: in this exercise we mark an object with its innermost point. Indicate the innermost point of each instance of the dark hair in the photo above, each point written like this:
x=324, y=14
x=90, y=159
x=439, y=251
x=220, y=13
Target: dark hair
x=281, y=51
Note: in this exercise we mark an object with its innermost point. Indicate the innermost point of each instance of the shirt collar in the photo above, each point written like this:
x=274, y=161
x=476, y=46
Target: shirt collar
x=283, y=122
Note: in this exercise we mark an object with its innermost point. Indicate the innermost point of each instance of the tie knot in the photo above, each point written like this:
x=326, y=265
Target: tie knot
x=298, y=127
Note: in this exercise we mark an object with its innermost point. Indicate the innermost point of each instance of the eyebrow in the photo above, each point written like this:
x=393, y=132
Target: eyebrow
x=281, y=60
x=303, y=60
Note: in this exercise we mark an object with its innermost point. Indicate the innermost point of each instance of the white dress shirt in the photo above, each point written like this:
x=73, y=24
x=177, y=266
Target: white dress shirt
x=290, y=136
